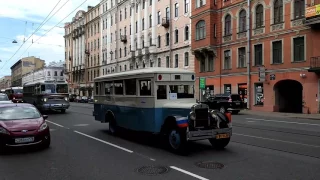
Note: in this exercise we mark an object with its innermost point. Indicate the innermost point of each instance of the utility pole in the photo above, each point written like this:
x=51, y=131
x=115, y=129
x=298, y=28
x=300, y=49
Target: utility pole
x=248, y=54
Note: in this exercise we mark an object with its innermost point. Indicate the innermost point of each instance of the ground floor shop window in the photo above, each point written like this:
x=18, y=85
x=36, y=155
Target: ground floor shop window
x=209, y=91
x=227, y=88
x=259, y=98
x=242, y=91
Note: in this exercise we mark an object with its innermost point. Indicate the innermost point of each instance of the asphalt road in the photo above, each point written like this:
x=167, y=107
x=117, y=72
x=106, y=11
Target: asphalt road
x=261, y=149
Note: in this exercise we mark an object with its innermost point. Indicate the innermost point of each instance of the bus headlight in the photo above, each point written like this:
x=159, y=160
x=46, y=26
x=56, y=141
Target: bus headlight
x=66, y=98
x=44, y=99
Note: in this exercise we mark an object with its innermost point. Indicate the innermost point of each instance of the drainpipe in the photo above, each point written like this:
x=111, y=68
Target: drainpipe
x=170, y=34
x=249, y=54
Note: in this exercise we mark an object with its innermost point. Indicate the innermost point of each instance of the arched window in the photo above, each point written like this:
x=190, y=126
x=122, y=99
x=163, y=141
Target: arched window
x=242, y=21
x=278, y=11
x=125, y=67
x=259, y=16
x=299, y=6
x=227, y=25
x=201, y=30
x=186, y=33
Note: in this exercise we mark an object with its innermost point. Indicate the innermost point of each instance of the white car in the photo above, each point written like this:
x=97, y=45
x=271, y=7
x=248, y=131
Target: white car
x=4, y=99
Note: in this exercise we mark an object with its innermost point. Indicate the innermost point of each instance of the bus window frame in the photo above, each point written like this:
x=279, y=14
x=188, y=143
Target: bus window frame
x=156, y=89
x=152, y=83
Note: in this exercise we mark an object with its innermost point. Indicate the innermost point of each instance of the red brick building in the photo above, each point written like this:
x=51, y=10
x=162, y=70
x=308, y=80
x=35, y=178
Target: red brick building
x=284, y=47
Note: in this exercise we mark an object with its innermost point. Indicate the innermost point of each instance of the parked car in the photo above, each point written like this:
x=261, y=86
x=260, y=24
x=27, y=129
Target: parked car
x=4, y=99
x=22, y=125
x=83, y=99
x=225, y=102
x=72, y=97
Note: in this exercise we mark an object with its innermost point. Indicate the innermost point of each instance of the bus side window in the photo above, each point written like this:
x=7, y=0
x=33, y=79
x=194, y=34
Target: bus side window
x=162, y=92
x=118, y=87
x=108, y=88
x=131, y=86
x=97, y=89
x=145, y=87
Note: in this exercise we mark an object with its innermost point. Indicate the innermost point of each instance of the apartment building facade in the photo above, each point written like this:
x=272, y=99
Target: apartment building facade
x=93, y=45
x=24, y=66
x=145, y=33
x=272, y=72
x=5, y=82
x=75, y=55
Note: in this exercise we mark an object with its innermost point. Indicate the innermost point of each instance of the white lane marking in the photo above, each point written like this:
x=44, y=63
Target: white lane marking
x=55, y=123
x=251, y=121
x=288, y=122
x=105, y=142
x=289, y=142
x=188, y=173
x=81, y=125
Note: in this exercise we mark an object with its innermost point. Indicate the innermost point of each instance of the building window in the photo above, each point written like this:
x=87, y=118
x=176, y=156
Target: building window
x=278, y=11
x=227, y=25
x=167, y=13
x=136, y=26
x=167, y=39
x=159, y=62
x=125, y=51
x=176, y=61
x=259, y=16
x=159, y=17
x=142, y=23
x=150, y=41
x=242, y=21
x=167, y=61
x=202, y=65
x=150, y=21
x=200, y=30
x=299, y=6
x=159, y=41
x=258, y=55
x=186, y=59
x=125, y=13
x=176, y=10
x=227, y=59
x=176, y=35
x=298, y=49
x=120, y=15
x=125, y=67
x=227, y=89
x=186, y=6
x=277, y=52
x=111, y=20
x=242, y=57
x=120, y=53
x=186, y=33
x=259, y=98
x=200, y=3
x=210, y=62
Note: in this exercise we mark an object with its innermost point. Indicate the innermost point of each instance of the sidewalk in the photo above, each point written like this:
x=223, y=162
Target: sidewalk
x=281, y=115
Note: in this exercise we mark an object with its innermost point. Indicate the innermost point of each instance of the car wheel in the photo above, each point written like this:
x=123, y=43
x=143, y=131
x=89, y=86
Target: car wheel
x=219, y=143
x=222, y=109
x=177, y=140
x=3, y=149
x=46, y=143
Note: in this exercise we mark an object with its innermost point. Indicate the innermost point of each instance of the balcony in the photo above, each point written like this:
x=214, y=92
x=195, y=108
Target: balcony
x=312, y=16
x=314, y=65
x=165, y=22
x=123, y=38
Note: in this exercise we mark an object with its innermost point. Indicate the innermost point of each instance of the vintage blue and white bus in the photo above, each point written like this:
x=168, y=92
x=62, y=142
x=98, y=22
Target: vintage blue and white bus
x=159, y=101
x=47, y=95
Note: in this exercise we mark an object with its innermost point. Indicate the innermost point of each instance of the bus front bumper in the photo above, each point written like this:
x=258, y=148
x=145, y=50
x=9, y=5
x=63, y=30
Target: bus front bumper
x=208, y=134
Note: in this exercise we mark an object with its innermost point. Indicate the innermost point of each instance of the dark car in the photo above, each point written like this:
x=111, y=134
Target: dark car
x=15, y=94
x=225, y=102
x=22, y=125
x=72, y=97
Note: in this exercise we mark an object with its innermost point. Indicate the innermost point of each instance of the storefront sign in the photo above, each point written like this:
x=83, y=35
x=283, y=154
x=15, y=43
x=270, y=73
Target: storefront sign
x=313, y=11
x=262, y=74
x=202, y=83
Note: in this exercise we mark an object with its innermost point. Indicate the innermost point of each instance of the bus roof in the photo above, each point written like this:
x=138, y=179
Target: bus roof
x=153, y=70
x=44, y=82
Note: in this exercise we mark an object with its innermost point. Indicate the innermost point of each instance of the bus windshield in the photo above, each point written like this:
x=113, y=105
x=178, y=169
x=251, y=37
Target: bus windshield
x=52, y=88
x=17, y=91
x=183, y=91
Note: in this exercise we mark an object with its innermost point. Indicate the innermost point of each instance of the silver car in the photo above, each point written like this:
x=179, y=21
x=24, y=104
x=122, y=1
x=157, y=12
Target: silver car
x=4, y=99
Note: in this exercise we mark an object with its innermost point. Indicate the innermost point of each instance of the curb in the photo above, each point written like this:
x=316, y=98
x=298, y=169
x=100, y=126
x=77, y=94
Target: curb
x=295, y=117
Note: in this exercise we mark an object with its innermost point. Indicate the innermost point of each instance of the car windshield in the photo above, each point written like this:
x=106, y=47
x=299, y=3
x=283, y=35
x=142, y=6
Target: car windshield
x=18, y=113
x=4, y=98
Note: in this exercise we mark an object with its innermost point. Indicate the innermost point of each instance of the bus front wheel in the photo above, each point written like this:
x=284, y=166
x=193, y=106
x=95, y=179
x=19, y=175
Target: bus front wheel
x=177, y=140
x=112, y=125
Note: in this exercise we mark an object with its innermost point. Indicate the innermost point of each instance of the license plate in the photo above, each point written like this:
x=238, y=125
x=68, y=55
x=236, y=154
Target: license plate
x=237, y=103
x=222, y=136
x=24, y=140
x=56, y=105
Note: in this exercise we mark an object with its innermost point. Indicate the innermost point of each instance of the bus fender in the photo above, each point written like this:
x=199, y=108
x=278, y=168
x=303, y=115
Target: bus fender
x=174, y=121
x=107, y=116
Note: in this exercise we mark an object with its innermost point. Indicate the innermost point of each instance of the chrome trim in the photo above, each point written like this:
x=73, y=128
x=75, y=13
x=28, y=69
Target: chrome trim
x=206, y=134
x=29, y=144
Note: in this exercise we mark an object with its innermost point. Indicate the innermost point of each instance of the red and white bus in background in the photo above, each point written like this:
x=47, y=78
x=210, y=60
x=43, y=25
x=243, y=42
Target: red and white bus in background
x=15, y=94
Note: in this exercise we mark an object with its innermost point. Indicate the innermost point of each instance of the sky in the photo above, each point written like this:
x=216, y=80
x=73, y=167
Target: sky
x=20, y=18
